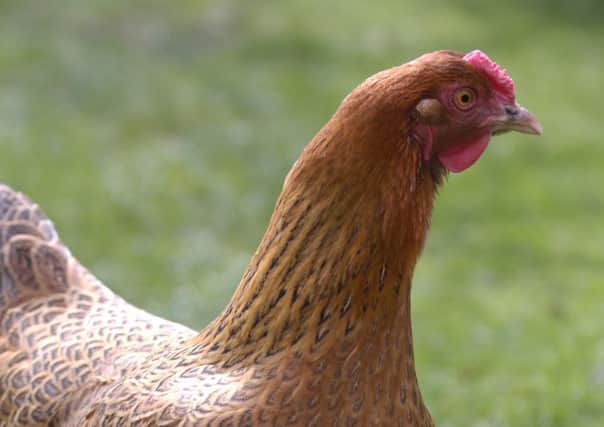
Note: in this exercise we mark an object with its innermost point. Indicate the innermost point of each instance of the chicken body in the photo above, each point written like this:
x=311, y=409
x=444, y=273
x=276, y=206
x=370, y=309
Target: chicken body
x=318, y=331
x=72, y=353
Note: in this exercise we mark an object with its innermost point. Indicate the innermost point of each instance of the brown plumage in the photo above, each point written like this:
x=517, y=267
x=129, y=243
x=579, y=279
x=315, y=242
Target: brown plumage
x=317, y=333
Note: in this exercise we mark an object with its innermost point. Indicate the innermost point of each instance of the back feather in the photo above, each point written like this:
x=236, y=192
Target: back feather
x=60, y=328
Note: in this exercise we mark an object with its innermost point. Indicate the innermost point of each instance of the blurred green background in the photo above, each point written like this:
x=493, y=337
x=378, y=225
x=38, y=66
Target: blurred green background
x=157, y=135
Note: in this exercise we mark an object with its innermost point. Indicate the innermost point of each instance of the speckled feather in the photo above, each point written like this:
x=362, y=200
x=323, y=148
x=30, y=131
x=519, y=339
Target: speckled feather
x=60, y=328
x=318, y=332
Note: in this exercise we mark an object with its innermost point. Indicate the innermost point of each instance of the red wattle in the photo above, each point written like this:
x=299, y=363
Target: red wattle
x=459, y=157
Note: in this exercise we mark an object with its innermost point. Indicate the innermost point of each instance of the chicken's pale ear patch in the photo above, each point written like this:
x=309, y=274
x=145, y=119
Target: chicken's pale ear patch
x=429, y=110
x=497, y=76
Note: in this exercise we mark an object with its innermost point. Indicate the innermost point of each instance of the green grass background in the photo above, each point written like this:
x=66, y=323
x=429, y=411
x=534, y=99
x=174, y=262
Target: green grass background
x=157, y=134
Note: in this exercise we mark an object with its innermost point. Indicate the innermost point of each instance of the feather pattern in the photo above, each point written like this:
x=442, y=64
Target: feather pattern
x=317, y=333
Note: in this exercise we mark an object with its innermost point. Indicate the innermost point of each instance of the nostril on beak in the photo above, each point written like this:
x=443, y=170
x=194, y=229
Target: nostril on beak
x=511, y=110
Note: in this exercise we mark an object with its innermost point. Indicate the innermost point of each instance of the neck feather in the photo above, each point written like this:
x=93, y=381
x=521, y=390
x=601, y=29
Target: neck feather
x=336, y=261
x=321, y=317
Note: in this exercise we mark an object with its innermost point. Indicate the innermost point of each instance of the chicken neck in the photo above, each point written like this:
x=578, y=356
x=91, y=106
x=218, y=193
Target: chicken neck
x=329, y=285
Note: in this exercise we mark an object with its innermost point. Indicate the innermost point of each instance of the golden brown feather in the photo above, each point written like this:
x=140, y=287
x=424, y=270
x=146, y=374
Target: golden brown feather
x=318, y=331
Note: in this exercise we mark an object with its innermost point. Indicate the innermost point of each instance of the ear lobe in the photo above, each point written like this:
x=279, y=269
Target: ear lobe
x=430, y=111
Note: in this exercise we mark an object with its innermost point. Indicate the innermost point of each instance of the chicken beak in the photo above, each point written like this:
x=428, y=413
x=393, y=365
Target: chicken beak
x=516, y=117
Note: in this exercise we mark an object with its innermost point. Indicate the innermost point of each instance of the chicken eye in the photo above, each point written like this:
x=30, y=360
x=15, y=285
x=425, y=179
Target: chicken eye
x=464, y=98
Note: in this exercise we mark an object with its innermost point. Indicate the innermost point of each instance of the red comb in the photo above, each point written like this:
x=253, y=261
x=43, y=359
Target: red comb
x=498, y=77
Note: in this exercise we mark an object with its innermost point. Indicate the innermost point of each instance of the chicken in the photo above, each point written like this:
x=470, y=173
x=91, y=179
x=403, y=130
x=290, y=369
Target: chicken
x=318, y=332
